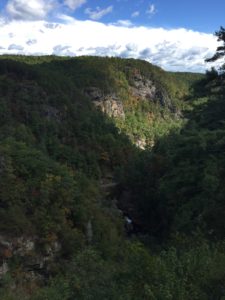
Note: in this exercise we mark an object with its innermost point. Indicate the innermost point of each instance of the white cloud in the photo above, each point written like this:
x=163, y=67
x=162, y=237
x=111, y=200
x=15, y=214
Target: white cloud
x=29, y=9
x=31, y=42
x=61, y=50
x=15, y=47
x=123, y=23
x=175, y=49
x=151, y=10
x=98, y=13
x=74, y=4
x=2, y=20
x=65, y=18
x=52, y=25
x=135, y=14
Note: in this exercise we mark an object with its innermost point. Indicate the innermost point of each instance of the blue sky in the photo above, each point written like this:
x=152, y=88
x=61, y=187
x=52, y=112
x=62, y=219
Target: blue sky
x=176, y=35
x=200, y=15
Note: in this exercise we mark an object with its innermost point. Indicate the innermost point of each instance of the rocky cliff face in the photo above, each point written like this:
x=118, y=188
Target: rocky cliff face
x=111, y=106
x=108, y=104
x=142, y=88
x=136, y=89
x=34, y=261
x=145, y=89
x=141, y=143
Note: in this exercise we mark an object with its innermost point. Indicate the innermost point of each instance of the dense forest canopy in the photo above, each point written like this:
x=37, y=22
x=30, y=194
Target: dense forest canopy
x=112, y=180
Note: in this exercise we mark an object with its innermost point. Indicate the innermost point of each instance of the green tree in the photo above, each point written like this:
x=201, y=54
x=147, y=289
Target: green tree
x=220, y=51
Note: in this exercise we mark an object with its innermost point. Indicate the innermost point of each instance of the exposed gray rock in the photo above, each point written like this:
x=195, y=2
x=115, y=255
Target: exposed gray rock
x=164, y=100
x=145, y=89
x=111, y=107
x=141, y=143
x=16, y=245
x=108, y=104
x=51, y=249
x=6, y=242
x=94, y=93
x=4, y=268
x=32, y=259
x=23, y=246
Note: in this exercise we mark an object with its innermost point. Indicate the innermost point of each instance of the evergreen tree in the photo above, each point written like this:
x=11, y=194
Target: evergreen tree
x=220, y=51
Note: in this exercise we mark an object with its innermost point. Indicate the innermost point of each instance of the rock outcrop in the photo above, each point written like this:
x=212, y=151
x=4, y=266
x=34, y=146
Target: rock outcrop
x=139, y=88
x=141, y=143
x=145, y=89
x=34, y=262
x=108, y=104
x=111, y=106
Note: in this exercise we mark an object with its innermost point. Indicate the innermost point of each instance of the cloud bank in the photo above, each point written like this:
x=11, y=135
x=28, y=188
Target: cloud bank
x=24, y=30
x=29, y=10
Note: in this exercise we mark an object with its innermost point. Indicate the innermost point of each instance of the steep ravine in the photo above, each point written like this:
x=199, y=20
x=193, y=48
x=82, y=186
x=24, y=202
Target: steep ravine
x=68, y=130
x=144, y=94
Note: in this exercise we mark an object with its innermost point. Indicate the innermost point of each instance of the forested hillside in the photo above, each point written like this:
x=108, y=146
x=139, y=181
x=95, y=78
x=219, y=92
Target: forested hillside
x=112, y=180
